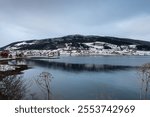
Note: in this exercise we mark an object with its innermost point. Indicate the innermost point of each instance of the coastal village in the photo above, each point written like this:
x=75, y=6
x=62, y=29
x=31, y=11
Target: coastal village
x=12, y=60
x=95, y=49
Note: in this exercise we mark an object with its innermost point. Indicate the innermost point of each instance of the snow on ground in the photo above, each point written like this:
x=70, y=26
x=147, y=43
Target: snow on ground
x=132, y=46
x=19, y=44
x=90, y=51
x=11, y=48
x=7, y=67
x=95, y=48
x=23, y=43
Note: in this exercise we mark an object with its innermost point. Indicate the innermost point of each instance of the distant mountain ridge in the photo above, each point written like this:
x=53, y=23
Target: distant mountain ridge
x=76, y=41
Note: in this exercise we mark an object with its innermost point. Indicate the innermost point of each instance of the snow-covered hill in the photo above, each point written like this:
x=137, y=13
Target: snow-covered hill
x=78, y=44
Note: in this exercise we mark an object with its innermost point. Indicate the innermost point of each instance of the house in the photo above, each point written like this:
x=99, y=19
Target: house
x=4, y=54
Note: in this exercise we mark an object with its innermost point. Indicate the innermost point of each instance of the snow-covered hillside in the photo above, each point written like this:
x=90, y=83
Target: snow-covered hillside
x=82, y=45
x=96, y=48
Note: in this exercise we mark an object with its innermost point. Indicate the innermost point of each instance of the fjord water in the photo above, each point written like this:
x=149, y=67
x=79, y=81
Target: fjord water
x=87, y=77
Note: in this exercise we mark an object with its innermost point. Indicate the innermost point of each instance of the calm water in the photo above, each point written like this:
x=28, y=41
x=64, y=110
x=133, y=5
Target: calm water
x=86, y=77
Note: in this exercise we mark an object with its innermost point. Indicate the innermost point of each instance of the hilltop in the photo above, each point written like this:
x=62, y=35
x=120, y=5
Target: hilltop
x=76, y=41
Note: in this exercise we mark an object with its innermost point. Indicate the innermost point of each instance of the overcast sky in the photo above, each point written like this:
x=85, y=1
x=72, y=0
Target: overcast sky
x=37, y=19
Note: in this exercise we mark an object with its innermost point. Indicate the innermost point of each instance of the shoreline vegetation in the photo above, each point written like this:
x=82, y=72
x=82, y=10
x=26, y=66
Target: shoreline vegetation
x=11, y=85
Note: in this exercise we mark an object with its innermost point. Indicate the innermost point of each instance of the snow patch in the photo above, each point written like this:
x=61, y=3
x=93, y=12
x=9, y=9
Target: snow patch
x=23, y=43
x=6, y=67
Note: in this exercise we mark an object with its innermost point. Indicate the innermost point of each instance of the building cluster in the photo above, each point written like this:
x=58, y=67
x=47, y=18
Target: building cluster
x=11, y=54
x=28, y=53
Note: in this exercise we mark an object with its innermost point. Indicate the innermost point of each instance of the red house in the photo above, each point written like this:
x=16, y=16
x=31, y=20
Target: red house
x=4, y=54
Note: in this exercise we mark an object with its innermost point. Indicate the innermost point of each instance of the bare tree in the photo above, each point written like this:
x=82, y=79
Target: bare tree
x=144, y=78
x=13, y=87
x=43, y=81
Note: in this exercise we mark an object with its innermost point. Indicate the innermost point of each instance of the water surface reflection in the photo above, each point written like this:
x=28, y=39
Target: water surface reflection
x=75, y=78
x=80, y=67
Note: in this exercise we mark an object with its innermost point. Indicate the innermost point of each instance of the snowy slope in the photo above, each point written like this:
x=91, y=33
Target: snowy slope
x=83, y=45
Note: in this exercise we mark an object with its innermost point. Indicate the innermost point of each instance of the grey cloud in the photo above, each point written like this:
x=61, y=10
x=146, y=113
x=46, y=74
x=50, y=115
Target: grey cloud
x=31, y=19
